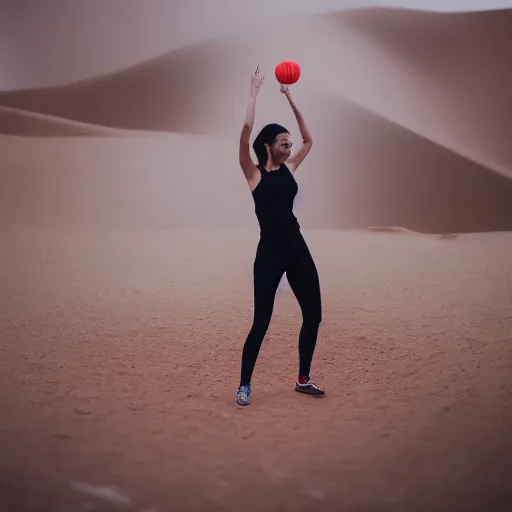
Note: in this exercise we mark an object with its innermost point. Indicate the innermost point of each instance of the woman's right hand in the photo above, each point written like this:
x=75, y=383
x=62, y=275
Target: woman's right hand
x=256, y=81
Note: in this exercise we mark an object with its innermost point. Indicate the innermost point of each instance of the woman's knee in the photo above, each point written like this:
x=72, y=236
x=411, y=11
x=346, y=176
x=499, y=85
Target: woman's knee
x=313, y=319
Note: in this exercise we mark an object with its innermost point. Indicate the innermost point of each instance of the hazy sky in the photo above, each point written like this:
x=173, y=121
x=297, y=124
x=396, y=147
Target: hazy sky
x=49, y=43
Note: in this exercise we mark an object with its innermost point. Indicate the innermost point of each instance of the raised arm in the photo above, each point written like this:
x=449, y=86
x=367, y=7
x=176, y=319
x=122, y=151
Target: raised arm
x=307, y=141
x=246, y=163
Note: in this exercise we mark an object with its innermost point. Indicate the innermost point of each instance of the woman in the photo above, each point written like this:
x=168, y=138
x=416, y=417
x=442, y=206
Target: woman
x=281, y=247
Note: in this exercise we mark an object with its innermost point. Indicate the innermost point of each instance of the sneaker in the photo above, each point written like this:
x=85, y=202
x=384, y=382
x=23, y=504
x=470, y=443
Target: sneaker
x=309, y=387
x=243, y=395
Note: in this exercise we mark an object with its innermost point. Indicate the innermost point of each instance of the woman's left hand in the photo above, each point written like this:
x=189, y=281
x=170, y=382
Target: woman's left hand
x=285, y=90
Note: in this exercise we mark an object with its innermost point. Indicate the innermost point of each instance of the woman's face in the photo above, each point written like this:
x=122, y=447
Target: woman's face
x=281, y=150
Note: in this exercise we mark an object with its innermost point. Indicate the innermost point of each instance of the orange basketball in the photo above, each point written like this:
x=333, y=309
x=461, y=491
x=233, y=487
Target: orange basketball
x=287, y=72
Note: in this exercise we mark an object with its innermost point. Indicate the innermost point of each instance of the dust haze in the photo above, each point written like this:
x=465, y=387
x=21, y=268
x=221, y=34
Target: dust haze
x=129, y=236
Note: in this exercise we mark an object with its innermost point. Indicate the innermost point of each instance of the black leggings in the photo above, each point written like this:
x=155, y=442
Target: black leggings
x=273, y=259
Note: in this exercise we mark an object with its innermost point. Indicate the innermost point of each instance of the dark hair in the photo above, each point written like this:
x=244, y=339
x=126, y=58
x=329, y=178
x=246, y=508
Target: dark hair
x=267, y=135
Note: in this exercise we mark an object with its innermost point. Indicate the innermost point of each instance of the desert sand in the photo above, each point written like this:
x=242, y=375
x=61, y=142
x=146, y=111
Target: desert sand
x=128, y=237
x=23, y=122
x=121, y=353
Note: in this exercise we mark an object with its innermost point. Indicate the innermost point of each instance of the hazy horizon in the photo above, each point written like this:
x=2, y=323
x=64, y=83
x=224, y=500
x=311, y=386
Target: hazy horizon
x=410, y=113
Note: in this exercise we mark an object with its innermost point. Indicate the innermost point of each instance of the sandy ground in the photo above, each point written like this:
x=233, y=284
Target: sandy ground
x=121, y=354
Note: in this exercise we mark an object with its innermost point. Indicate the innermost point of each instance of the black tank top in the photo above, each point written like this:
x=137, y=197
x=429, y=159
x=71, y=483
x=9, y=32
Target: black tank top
x=273, y=200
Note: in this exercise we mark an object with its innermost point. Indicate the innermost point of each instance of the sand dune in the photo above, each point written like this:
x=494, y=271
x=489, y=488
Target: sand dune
x=138, y=180
x=363, y=172
x=202, y=89
x=176, y=92
x=19, y=122
x=369, y=171
x=460, y=71
x=121, y=357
